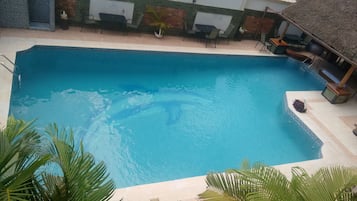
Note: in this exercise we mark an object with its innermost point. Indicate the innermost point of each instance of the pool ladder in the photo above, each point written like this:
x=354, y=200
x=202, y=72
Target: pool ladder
x=18, y=75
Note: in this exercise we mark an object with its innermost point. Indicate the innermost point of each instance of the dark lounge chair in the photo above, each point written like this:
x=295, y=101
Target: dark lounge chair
x=112, y=21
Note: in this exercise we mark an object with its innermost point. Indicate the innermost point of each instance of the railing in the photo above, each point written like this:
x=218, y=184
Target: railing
x=4, y=65
x=18, y=75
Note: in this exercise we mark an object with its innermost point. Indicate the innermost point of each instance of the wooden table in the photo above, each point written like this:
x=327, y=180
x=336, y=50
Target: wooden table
x=278, y=46
x=338, y=91
x=278, y=42
x=335, y=94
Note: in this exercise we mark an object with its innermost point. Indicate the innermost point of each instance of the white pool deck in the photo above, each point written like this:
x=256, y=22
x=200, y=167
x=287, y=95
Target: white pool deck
x=332, y=124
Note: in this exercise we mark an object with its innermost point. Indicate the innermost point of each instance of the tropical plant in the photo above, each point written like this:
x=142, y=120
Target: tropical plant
x=25, y=159
x=158, y=20
x=80, y=178
x=269, y=184
x=19, y=161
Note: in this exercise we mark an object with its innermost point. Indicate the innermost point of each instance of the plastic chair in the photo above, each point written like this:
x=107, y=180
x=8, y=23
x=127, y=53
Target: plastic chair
x=212, y=37
x=137, y=24
x=88, y=21
x=227, y=33
x=188, y=32
x=263, y=41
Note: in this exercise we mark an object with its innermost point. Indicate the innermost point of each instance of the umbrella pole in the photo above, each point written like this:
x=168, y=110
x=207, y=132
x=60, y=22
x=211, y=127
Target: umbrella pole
x=346, y=76
x=285, y=30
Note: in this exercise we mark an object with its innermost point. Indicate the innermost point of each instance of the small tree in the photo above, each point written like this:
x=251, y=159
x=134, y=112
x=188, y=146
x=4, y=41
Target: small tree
x=268, y=184
x=158, y=20
x=80, y=177
x=24, y=156
x=19, y=160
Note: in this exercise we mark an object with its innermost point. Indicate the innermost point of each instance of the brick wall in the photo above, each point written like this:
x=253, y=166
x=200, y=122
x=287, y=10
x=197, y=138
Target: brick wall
x=67, y=5
x=15, y=14
x=171, y=16
x=189, y=9
x=268, y=16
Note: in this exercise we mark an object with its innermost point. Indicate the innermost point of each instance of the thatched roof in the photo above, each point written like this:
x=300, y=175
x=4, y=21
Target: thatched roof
x=334, y=22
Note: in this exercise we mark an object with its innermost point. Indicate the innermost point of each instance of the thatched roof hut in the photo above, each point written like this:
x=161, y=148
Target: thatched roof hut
x=331, y=22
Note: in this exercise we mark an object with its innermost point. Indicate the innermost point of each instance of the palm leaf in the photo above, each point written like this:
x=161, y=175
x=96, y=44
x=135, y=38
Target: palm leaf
x=266, y=183
x=334, y=183
x=299, y=182
x=19, y=161
x=211, y=195
x=52, y=187
x=269, y=184
x=83, y=178
x=158, y=18
x=16, y=127
x=230, y=184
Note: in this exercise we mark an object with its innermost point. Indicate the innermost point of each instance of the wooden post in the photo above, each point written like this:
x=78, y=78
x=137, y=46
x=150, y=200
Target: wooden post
x=346, y=76
x=285, y=30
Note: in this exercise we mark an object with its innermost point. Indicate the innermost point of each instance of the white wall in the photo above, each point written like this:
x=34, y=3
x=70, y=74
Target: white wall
x=241, y=4
x=261, y=4
x=111, y=7
x=230, y=4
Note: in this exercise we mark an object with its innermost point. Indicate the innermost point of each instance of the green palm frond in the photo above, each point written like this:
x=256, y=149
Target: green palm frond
x=19, y=161
x=299, y=182
x=22, y=154
x=21, y=186
x=52, y=187
x=158, y=18
x=211, y=195
x=230, y=184
x=334, y=183
x=155, y=14
x=83, y=178
x=16, y=127
x=268, y=184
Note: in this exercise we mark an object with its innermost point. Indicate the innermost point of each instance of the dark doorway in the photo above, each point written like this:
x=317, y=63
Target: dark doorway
x=39, y=11
x=40, y=14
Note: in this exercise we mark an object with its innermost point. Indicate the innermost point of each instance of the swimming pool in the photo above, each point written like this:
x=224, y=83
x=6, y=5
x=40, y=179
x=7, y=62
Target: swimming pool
x=155, y=116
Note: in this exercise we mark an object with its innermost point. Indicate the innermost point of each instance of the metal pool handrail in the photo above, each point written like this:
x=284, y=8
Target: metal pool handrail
x=8, y=69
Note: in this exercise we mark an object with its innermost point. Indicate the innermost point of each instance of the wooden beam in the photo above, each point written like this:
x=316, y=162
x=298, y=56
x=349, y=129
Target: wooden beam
x=327, y=46
x=347, y=76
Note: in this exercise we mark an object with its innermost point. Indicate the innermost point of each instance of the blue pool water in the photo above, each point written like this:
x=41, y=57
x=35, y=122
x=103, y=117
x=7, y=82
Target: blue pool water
x=154, y=116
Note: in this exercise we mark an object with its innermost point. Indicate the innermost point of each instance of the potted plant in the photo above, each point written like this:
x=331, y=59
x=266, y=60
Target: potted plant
x=158, y=17
x=63, y=20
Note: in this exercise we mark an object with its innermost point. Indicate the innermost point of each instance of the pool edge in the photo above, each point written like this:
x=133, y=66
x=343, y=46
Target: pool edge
x=332, y=152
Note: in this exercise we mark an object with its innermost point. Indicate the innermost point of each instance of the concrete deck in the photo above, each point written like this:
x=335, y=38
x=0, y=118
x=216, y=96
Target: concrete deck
x=332, y=124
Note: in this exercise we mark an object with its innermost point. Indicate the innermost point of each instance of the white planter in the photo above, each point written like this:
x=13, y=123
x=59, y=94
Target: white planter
x=159, y=34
